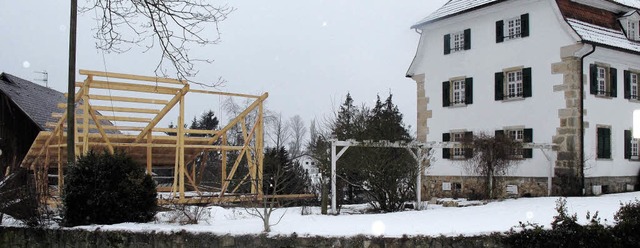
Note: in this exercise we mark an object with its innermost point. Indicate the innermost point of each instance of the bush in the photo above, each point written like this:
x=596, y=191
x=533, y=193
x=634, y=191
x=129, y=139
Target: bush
x=565, y=232
x=18, y=198
x=106, y=189
x=627, y=227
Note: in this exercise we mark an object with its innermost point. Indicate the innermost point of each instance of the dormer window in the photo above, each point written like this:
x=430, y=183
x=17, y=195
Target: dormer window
x=631, y=24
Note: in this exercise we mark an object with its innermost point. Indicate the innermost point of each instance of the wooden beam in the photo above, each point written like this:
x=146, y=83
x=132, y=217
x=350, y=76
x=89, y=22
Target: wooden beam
x=131, y=77
x=97, y=84
x=124, y=118
x=149, y=153
x=241, y=116
x=162, y=113
x=117, y=109
x=104, y=135
x=128, y=99
x=222, y=93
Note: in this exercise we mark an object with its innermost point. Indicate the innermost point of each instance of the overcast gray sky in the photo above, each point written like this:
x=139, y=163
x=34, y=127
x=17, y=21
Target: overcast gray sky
x=306, y=53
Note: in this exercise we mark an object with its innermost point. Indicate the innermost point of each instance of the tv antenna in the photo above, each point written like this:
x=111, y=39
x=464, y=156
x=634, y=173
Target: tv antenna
x=45, y=77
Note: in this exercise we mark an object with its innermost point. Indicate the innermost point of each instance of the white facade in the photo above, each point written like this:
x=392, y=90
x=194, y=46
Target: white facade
x=548, y=33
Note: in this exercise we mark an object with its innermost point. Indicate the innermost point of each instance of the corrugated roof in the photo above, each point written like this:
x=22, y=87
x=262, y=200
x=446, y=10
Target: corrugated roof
x=454, y=7
x=603, y=36
x=36, y=101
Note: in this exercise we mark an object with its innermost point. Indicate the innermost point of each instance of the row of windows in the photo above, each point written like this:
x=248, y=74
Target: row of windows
x=524, y=135
x=604, y=82
x=512, y=28
x=603, y=146
x=509, y=85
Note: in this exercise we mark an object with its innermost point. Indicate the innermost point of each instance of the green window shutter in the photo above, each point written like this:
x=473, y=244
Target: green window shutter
x=467, y=39
x=593, y=79
x=446, y=152
x=604, y=143
x=627, y=85
x=627, y=144
x=607, y=143
x=528, y=135
x=446, y=93
x=499, y=86
x=447, y=44
x=499, y=31
x=524, y=25
x=468, y=90
x=613, y=82
x=526, y=82
x=468, y=151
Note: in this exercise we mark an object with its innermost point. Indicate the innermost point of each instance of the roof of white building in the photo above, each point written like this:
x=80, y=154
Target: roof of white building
x=588, y=32
x=604, y=36
x=455, y=7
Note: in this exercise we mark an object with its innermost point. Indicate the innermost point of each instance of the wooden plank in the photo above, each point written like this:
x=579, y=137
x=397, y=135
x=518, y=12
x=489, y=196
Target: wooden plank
x=222, y=93
x=124, y=118
x=104, y=135
x=162, y=113
x=131, y=87
x=117, y=109
x=131, y=77
x=128, y=99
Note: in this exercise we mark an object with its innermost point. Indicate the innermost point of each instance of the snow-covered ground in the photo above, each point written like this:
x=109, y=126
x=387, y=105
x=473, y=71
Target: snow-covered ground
x=436, y=220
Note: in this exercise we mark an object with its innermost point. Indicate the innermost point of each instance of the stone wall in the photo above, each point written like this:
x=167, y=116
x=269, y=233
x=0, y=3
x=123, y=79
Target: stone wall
x=474, y=187
x=611, y=184
x=567, y=138
x=35, y=238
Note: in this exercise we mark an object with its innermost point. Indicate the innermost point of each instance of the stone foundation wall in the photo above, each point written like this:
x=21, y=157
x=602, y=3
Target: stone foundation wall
x=33, y=237
x=473, y=187
x=611, y=184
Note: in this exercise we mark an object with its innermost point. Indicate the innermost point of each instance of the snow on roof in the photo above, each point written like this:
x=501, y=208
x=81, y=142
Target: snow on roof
x=454, y=7
x=603, y=36
x=630, y=3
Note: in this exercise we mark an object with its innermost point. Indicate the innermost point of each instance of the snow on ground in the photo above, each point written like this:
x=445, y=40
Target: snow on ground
x=436, y=220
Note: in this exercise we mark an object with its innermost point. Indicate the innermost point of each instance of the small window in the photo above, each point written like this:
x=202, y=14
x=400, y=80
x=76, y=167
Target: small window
x=512, y=28
x=632, y=30
x=458, y=41
x=604, y=142
x=457, y=92
x=631, y=146
x=631, y=85
x=458, y=151
x=513, y=84
x=523, y=135
x=517, y=135
x=603, y=80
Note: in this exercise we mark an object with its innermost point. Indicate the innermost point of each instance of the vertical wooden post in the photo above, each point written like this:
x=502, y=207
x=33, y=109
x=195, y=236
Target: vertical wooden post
x=259, y=148
x=60, y=171
x=181, y=148
x=149, y=153
x=85, y=115
x=224, y=160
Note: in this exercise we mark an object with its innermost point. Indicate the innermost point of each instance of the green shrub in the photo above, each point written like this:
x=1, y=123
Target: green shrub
x=627, y=227
x=106, y=189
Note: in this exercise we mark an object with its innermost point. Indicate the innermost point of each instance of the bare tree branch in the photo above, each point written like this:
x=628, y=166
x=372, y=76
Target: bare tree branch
x=172, y=25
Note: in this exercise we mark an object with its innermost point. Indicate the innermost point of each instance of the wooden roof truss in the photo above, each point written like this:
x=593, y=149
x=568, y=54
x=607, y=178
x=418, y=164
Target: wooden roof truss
x=122, y=111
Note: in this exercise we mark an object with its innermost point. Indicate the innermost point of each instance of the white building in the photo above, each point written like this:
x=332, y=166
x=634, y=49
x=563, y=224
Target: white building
x=515, y=67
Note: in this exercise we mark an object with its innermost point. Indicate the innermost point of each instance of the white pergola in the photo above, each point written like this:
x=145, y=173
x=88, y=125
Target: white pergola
x=420, y=152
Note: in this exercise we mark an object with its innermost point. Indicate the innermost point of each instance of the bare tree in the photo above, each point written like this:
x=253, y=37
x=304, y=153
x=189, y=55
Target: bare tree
x=174, y=26
x=278, y=131
x=298, y=135
x=491, y=156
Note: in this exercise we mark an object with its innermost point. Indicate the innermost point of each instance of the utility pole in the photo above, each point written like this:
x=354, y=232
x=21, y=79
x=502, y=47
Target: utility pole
x=71, y=91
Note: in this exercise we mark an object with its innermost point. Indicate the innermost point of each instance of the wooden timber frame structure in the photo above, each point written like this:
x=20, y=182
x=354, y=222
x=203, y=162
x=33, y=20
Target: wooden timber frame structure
x=421, y=152
x=116, y=111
